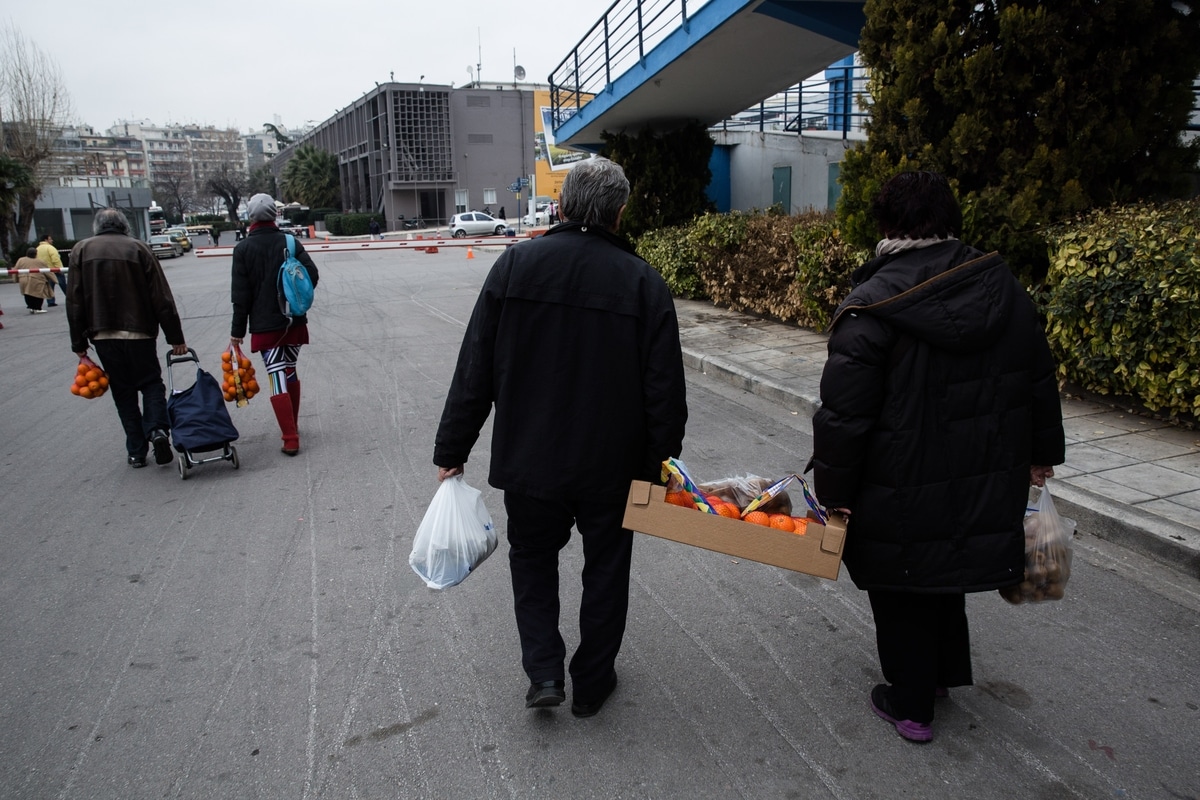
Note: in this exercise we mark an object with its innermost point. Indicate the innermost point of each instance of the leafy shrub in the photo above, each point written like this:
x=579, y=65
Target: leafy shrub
x=1122, y=302
x=352, y=224
x=826, y=261
x=670, y=251
x=789, y=268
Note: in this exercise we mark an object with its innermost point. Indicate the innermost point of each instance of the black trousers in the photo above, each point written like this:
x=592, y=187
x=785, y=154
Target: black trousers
x=923, y=643
x=537, y=530
x=31, y=302
x=133, y=369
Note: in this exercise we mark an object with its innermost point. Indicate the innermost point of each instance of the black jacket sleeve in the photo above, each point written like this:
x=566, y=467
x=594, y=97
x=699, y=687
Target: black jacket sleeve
x=471, y=390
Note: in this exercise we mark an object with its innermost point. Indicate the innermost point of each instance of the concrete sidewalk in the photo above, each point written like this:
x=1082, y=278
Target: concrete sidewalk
x=1128, y=478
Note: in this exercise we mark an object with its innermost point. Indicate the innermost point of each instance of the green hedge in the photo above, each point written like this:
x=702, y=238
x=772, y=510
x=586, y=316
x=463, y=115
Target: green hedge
x=1122, y=302
x=352, y=224
x=790, y=268
x=1121, y=299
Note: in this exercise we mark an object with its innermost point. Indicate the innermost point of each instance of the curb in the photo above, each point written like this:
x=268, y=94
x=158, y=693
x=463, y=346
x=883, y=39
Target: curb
x=733, y=374
x=1170, y=543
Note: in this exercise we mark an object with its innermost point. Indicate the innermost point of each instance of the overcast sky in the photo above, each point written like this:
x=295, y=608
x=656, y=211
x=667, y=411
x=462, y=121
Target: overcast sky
x=241, y=64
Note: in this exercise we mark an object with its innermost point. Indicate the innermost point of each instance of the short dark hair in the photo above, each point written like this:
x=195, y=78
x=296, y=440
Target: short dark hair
x=917, y=205
x=31, y=253
x=46, y=236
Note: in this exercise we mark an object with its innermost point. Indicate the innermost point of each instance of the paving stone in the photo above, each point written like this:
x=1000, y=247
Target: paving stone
x=1152, y=480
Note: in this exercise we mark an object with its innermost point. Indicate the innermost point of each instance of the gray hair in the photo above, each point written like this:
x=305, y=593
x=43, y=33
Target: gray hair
x=594, y=192
x=31, y=253
x=110, y=220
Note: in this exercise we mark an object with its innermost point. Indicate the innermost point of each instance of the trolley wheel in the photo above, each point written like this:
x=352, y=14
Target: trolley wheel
x=183, y=467
x=233, y=457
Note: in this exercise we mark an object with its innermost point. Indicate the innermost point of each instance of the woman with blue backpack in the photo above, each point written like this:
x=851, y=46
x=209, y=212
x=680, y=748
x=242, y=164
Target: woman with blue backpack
x=273, y=279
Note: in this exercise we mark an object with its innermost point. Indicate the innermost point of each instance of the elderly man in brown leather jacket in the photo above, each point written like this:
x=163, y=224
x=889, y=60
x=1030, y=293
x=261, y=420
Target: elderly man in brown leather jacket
x=118, y=297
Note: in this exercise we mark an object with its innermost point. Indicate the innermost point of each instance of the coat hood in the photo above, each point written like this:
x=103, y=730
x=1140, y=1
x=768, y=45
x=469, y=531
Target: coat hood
x=949, y=295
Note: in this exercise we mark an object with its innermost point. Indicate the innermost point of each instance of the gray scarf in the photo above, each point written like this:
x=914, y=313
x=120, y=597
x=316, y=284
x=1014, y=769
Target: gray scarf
x=888, y=247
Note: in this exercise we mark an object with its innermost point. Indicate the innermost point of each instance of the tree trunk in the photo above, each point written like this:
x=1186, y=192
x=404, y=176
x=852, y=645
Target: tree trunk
x=24, y=220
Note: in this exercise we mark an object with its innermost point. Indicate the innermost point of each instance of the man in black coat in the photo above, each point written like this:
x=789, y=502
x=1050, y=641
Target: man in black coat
x=575, y=342
x=939, y=408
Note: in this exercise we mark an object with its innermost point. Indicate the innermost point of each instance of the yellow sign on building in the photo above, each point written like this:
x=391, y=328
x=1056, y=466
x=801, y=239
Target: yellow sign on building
x=552, y=162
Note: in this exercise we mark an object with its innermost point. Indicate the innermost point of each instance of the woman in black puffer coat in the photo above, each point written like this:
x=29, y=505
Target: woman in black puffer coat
x=939, y=408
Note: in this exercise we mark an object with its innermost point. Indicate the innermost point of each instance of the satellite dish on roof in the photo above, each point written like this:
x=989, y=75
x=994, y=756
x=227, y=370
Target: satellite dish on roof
x=519, y=73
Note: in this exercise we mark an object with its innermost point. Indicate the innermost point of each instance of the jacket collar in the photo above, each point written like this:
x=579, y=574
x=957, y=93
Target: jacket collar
x=591, y=230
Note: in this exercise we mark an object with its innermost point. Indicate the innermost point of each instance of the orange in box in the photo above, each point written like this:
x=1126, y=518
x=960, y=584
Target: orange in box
x=817, y=552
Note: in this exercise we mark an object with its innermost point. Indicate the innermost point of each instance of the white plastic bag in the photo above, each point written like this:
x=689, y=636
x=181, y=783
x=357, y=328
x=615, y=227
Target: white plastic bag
x=455, y=536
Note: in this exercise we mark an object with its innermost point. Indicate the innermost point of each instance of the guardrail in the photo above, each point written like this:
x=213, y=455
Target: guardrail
x=621, y=38
x=830, y=103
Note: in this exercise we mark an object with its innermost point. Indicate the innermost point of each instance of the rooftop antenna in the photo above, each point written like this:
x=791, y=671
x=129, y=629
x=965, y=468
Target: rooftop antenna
x=479, y=62
x=518, y=70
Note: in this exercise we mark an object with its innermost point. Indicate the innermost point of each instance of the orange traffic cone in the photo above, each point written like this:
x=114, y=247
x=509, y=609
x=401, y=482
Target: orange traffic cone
x=470, y=254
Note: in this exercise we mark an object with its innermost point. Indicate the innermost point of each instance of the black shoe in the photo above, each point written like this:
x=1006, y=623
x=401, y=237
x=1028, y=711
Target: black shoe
x=592, y=708
x=544, y=694
x=162, y=446
x=137, y=462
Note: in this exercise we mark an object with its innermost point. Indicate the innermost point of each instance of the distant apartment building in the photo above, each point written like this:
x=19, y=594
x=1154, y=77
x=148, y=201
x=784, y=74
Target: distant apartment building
x=130, y=164
x=261, y=148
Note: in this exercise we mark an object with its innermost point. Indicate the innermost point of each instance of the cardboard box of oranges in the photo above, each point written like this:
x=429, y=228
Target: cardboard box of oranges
x=816, y=550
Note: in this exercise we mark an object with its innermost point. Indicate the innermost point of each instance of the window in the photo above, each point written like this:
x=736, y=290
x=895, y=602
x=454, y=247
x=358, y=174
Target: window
x=489, y=197
x=461, y=198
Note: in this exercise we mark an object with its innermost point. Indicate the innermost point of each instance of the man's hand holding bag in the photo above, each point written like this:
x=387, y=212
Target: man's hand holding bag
x=455, y=536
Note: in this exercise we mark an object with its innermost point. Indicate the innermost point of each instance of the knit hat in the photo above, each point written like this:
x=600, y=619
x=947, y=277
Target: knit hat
x=261, y=208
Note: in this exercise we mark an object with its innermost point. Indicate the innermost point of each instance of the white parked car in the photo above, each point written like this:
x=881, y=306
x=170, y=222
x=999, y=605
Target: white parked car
x=536, y=218
x=476, y=223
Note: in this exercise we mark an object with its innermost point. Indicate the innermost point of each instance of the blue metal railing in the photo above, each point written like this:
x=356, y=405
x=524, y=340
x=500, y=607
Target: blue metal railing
x=621, y=38
x=831, y=103
x=629, y=29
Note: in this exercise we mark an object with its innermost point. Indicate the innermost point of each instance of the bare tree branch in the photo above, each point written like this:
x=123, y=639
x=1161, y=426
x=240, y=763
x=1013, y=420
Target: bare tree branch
x=36, y=107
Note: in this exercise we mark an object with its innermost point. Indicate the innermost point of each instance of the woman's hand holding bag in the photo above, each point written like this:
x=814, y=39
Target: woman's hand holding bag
x=1047, y=554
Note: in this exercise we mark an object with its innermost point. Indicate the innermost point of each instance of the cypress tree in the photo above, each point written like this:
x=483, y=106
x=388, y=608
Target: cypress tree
x=1034, y=111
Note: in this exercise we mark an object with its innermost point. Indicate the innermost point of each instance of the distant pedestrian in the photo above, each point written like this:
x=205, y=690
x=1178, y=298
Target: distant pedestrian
x=257, y=303
x=35, y=286
x=118, y=297
x=374, y=228
x=47, y=253
x=215, y=232
x=501, y=215
x=552, y=213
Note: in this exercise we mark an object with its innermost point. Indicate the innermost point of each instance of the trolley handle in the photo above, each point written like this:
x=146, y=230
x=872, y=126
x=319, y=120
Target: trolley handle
x=174, y=359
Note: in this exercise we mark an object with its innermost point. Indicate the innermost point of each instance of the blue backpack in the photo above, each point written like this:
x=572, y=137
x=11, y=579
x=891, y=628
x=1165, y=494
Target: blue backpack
x=295, y=287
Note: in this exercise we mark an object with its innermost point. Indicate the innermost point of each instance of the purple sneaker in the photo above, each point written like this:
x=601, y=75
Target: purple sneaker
x=913, y=731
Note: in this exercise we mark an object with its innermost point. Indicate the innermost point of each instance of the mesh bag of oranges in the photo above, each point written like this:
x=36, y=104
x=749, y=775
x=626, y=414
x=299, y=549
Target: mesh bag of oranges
x=237, y=376
x=90, y=381
x=751, y=499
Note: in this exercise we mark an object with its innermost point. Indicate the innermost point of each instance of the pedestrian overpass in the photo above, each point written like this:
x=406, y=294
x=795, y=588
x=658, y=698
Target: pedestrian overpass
x=661, y=63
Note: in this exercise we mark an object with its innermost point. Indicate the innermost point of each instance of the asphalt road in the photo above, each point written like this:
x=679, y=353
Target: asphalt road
x=258, y=633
